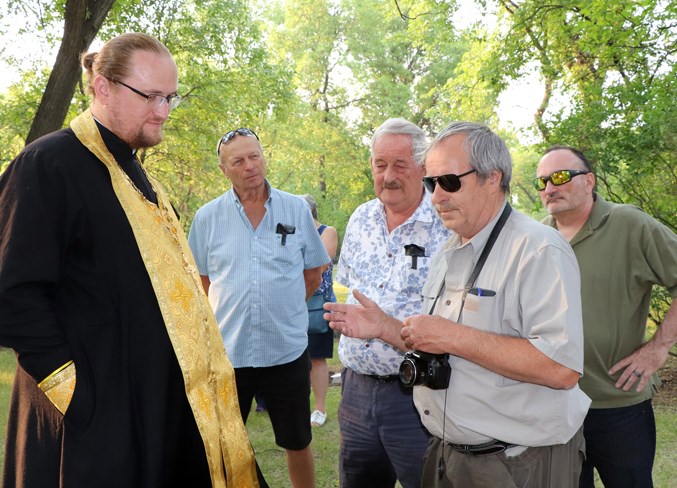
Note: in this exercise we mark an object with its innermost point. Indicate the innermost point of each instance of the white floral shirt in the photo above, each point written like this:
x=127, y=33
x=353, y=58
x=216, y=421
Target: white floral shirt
x=374, y=262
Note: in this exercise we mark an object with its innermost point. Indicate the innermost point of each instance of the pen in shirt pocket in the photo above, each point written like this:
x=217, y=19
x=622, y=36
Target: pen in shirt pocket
x=482, y=292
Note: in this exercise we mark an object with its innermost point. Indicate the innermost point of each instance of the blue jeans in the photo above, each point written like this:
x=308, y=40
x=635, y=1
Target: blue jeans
x=382, y=438
x=620, y=444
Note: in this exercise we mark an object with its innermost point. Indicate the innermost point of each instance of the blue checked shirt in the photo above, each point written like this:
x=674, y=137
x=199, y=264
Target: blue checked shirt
x=374, y=262
x=257, y=288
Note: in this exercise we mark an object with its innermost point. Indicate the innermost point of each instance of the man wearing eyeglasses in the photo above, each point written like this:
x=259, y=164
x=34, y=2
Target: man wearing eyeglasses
x=385, y=256
x=504, y=321
x=622, y=252
x=122, y=379
x=260, y=256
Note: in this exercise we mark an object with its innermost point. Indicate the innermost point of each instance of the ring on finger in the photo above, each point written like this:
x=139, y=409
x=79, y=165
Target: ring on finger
x=637, y=373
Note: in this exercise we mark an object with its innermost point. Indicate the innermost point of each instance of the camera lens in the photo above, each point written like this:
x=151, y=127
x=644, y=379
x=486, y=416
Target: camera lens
x=408, y=372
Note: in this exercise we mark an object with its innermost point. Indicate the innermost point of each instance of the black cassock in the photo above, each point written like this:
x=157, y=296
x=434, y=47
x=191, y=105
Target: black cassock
x=73, y=286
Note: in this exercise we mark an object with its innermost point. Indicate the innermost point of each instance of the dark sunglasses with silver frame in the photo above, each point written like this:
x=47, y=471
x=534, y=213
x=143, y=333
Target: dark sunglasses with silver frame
x=228, y=136
x=557, y=178
x=450, y=183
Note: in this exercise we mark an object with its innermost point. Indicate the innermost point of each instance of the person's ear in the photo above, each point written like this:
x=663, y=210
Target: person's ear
x=590, y=181
x=222, y=167
x=495, y=178
x=102, y=88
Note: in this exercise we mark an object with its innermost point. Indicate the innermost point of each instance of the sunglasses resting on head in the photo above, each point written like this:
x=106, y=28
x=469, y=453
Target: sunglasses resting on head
x=228, y=136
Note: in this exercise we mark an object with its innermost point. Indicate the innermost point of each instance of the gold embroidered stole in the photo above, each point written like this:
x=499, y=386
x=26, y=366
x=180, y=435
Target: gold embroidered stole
x=207, y=372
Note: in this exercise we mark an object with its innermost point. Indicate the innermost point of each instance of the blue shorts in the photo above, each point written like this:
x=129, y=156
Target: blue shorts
x=286, y=391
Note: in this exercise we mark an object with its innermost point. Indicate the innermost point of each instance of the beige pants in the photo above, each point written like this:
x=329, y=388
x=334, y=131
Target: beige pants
x=556, y=466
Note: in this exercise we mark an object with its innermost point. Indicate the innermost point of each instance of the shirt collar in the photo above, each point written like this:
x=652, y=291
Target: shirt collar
x=424, y=213
x=234, y=196
x=601, y=209
x=118, y=148
x=479, y=240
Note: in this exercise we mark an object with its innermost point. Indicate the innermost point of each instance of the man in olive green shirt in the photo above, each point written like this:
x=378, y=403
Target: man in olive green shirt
x=622, y=252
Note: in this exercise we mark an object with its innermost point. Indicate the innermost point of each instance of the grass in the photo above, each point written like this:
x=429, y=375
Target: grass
x=325, y=443
x=7, y=367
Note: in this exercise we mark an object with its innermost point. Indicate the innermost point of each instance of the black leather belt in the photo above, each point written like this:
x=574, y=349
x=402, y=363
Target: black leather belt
x=384, y=379
x=491, y=447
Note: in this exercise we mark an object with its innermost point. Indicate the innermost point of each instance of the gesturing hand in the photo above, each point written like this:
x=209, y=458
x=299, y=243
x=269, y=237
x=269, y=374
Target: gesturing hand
x=362, y=320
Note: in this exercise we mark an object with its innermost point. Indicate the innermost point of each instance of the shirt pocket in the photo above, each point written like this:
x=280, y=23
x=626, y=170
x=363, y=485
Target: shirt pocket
x=283, y=257
x=480, y=312
x=411, y=280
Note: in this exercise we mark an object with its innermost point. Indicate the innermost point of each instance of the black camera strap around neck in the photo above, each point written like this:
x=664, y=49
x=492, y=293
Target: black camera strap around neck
x=441, y=468
x=480, y=262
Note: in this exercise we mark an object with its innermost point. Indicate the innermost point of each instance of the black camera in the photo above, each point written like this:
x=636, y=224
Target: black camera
x=425, y=369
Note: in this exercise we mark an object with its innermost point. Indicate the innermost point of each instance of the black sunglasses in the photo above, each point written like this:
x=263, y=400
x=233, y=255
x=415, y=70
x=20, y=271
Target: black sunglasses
x=557, y=178
x=228, y=136
x=450, y=182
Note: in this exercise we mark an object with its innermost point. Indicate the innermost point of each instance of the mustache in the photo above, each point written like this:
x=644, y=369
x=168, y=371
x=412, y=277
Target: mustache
x=554, y=196
x=393, y=185
x=443, y=208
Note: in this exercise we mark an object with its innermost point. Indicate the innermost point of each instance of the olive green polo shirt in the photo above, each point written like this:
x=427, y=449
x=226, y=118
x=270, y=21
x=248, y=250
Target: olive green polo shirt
x=622, y=252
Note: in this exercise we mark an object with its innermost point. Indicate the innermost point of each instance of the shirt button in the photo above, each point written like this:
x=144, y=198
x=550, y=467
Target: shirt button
x=390, y=255
x=427, y=412
x=380, y=286
x=448, y=302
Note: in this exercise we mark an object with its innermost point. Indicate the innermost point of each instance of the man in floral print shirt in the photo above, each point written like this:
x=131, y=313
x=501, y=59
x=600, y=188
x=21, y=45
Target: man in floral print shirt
x=385, y=256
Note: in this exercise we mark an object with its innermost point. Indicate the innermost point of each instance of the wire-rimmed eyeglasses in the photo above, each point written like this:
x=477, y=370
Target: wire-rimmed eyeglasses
x=155, y=99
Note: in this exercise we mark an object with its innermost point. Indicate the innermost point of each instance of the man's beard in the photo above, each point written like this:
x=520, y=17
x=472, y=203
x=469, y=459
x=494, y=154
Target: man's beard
x=142, y=140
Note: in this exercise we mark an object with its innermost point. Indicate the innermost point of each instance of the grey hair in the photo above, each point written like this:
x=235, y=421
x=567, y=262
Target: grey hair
x=311, y=203
x=486, y=150
x=402, y=127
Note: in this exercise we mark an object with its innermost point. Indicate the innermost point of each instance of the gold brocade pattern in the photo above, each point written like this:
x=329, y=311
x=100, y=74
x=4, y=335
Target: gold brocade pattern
x=60, y=386
x=208, y=374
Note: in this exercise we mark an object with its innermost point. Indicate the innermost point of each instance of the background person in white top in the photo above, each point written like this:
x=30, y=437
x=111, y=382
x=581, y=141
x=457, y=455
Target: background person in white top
x=512, y=412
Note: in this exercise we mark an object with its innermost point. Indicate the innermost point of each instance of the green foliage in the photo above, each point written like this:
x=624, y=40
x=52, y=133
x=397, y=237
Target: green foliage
x=314, y=78
x=616, y=65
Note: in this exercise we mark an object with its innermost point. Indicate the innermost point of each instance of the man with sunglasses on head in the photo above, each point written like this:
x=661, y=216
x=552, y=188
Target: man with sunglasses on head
x=385, y=256
x=501, y=325
x=260, y=257
x=122, y=379
x=622, y=252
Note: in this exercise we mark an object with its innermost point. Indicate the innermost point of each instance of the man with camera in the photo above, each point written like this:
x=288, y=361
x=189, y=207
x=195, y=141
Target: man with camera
x=385, y=254
x=496, y=361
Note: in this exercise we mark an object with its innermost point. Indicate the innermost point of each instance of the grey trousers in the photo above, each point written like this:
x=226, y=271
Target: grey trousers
x=557, y=466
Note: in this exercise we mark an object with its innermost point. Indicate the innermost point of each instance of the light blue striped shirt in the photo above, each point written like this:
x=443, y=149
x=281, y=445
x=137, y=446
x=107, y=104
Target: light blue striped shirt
x=257, y=287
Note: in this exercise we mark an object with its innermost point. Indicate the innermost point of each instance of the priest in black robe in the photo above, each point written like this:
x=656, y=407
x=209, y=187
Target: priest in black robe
x=122, y=379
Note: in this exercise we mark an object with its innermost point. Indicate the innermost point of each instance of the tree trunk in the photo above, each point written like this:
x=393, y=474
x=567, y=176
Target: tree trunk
x=83, y=19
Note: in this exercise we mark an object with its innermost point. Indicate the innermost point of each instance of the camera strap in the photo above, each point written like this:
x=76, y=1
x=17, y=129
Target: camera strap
x=487, y=249
x=480, y=262
x=441, y=468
